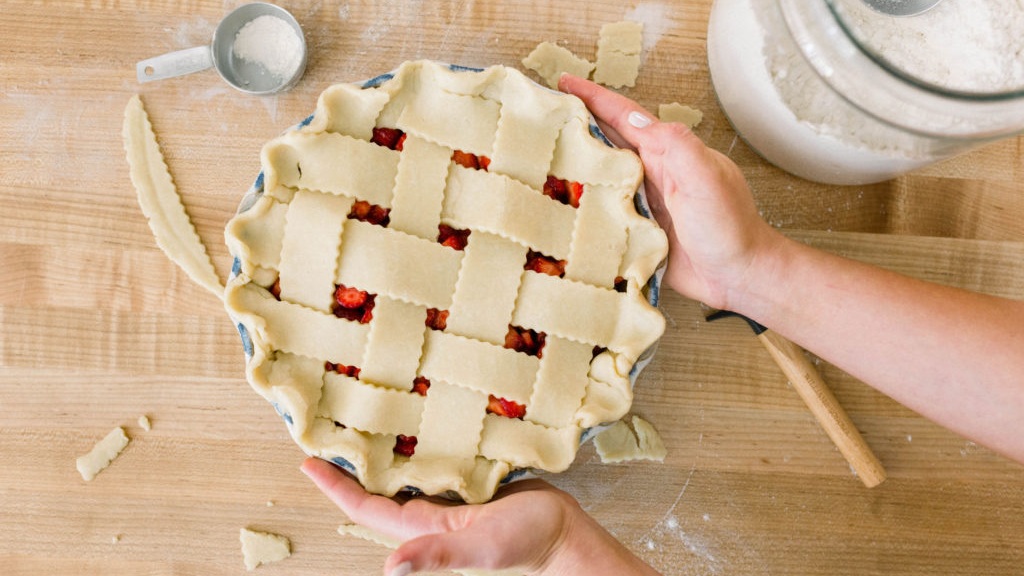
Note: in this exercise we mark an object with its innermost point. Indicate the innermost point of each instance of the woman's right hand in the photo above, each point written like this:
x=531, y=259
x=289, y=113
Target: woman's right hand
x=699, y=197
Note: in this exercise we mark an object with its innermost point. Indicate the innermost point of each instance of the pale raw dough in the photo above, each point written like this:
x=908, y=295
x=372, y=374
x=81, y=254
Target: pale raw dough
x=102, y=454
x=618, y=54
x=676, y=112
x=159, y=200
x=297, y=233
x=389, y=542
x=144, y=423
x=621, y=444
x=550, y=61
x=262, y=548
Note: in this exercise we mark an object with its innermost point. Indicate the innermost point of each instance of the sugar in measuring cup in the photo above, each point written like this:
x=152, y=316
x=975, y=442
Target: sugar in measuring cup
x=258, y=48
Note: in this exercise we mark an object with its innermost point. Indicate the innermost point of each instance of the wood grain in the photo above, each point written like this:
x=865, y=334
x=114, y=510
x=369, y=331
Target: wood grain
x=97, y=327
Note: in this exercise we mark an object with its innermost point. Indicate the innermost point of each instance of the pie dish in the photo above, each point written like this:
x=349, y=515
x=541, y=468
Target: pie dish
x=441, y=279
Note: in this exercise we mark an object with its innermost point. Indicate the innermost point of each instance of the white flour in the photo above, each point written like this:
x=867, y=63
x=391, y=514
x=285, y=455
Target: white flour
x=786, y=111
x=960, y=44
x=963, y=44
x=271, y=43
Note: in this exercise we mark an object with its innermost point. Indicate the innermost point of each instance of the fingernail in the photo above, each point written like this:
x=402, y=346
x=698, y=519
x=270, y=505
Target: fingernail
x=403, y=569
x=638, y=120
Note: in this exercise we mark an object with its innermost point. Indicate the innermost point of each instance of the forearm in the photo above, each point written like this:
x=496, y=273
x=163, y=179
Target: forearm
x=954, y=356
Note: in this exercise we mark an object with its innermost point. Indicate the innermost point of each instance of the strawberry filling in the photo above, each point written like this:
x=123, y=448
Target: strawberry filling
x=391, y=138
x=405, y=445
x=506, y=408
x=525, y=340
x=353, y=304
x=370, y=213
x=350, y=371
x=437, y=319
x=564, y=191
x=420, y=385
x=544, y=264
x=454, y=238
x=469, y=160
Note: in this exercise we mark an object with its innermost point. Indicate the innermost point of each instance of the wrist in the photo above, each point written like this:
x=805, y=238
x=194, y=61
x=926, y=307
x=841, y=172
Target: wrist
x=585, y=547
x=760, y=288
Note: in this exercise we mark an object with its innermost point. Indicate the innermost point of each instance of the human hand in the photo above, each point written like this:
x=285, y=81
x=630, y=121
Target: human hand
x=698, y=196
x=529, y=525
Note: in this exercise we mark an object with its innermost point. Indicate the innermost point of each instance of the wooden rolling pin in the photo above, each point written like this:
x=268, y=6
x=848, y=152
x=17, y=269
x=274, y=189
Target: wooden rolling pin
x=821, y=401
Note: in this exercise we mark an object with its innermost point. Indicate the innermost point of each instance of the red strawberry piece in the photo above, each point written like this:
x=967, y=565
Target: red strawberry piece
x=275, y=289
x=574, y=193
x=360, y=210
x=351, y=298
x=512, y=339
x=353, y=304
x=378, y=215
x=405, y=445
x=437, y=319
x=386, y=137
x=504, y=407
x=555, y=188
x=452, y=237
x=350, y=371
x=367, y=312
x=525, y=340
x=466, y=159
x=370, y=213
x=484, y=162
x=544, y=264
x=400, y=145
x=420, y=385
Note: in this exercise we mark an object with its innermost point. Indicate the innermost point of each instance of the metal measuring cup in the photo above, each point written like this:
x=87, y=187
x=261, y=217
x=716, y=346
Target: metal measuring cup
x=247, y=76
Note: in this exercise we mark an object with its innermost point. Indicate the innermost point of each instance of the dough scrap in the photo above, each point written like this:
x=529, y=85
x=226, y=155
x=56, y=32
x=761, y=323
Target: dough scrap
x=676, y=112
x=621, y=444
x=618, y=54
x=160, y=202
x=550, y=61
x=102, y=454
x=262, y=547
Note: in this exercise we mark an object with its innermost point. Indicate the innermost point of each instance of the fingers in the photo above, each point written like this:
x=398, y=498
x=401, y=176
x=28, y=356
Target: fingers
x=623, y=116
x=469, y=548
x=349, y=495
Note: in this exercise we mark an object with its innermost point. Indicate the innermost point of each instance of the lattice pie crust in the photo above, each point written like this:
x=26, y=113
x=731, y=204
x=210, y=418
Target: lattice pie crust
x=296, y=237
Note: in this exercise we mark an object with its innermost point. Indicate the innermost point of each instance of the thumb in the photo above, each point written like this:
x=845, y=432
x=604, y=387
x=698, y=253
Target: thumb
x=446, y=551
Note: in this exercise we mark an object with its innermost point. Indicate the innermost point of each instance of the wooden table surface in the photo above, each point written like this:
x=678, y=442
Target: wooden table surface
x=97, y=327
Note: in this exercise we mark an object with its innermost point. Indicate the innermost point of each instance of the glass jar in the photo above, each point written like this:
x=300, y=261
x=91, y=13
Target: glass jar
x=833, y=92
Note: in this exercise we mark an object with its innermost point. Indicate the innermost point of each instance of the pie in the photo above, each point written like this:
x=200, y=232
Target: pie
x=441, y=279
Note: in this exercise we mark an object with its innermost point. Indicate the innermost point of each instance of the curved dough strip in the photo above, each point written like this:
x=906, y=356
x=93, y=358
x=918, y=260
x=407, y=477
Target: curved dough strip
x=159, y=200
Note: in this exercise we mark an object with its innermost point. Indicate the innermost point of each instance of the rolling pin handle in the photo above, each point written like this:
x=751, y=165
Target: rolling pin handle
x=819, y=399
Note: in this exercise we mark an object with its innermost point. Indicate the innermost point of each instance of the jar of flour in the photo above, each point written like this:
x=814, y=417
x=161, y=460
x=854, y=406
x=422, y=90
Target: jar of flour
x=833, y=92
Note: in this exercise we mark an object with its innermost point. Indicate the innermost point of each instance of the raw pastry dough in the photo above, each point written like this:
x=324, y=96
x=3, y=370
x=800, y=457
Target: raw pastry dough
x=297, y=245
x=262, y=548
x=159, y=200
x=102, y=454
x=676, y=112
x=550, y=61
x=620, y=444
x=618, y=54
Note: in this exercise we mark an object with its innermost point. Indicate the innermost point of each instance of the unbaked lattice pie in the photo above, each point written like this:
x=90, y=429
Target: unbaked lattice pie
x=440, y=279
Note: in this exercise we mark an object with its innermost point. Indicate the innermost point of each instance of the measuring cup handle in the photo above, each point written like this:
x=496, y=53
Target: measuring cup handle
x=174, y=64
